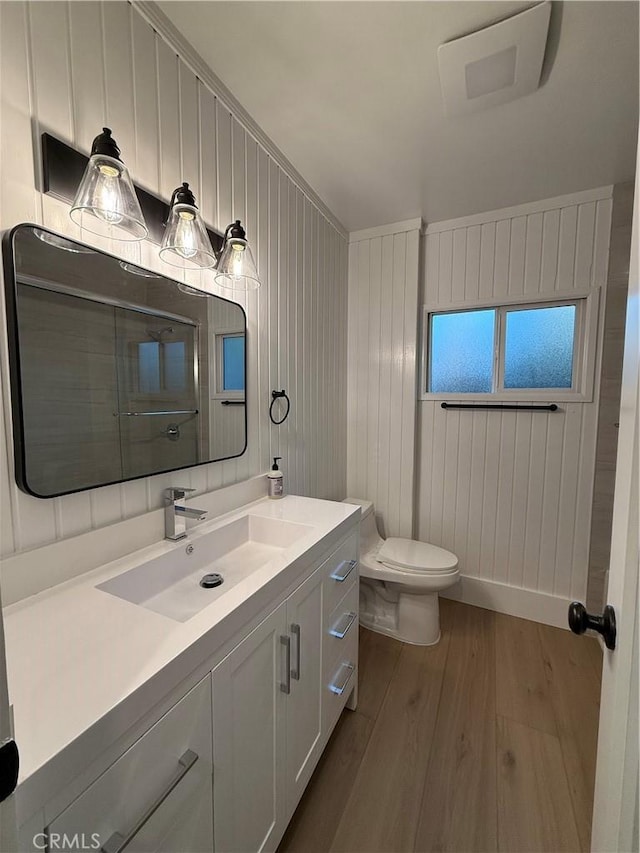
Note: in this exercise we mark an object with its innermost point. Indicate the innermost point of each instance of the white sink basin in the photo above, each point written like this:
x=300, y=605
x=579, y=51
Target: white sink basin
x=170, y=584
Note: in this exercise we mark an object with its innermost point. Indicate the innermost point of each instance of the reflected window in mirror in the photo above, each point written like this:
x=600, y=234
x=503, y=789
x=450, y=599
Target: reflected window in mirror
x=231, y=355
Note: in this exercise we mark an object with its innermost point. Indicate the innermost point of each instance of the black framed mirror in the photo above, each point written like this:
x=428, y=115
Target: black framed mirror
x=117, y=372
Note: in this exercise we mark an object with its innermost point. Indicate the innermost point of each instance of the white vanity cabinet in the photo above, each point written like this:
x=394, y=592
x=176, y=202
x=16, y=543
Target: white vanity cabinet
x=248, y=740
x=222, y=769
x=156, y=797
x=304, y=701
x=270, y=723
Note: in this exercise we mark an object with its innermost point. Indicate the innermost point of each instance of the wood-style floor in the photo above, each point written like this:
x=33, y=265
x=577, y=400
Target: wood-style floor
x=485, y=742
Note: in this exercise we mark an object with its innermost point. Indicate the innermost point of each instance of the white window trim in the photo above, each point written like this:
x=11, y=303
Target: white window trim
x=218, y=362
x=585, y=346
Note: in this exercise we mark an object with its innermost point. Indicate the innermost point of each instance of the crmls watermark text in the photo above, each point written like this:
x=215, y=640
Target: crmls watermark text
x=64, y=841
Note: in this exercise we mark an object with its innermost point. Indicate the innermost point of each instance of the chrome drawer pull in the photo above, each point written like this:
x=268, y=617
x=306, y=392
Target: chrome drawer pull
x=343, y=677
x=295, y=672
x=342, y=572
x=285, y=686
x=117, y=843
x=343, y=624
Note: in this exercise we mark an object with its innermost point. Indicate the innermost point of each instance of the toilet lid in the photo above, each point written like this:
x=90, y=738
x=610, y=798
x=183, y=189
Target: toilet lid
x=417, y=556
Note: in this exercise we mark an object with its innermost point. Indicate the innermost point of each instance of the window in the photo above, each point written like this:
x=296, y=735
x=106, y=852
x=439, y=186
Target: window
x=462, y=347
x=539, y=345
x=162, y=367
x=511, y=351
x=230, y=366
x=233, y=363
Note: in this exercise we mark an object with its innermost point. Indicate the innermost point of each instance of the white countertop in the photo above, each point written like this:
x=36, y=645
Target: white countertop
x=84, y=665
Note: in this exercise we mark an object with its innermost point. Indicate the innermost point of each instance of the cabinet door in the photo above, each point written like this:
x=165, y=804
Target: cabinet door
x=304, y=709
x=156, y=797
x=249, y=740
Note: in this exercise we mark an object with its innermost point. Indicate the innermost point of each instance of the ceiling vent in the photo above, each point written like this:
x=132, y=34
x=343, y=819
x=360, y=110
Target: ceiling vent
x=496, y=64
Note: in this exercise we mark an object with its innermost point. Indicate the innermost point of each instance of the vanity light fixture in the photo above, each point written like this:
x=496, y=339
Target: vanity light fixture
x=186, y=243
x=236, y=268
x=106, y=201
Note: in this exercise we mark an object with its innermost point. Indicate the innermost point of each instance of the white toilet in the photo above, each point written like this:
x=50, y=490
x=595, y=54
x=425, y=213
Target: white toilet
x=399, y=582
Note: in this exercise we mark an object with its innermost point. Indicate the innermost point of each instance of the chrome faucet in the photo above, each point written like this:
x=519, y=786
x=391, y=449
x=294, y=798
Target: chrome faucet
x=176, y=513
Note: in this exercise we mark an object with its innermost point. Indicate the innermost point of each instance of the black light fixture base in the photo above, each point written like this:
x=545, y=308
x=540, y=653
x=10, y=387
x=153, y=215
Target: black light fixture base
x=62, y=171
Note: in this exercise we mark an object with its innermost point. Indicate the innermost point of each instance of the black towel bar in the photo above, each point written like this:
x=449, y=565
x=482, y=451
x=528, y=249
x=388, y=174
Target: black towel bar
x=505, y=407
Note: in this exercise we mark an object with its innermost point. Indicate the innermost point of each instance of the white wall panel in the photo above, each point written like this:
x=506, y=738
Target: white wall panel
x=511, y=492
x=381, y=411
x=69, y=68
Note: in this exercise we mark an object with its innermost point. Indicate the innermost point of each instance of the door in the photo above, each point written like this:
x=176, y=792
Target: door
x=249, y=740
x=8, y=837
x=304, y=704
x=615, y=812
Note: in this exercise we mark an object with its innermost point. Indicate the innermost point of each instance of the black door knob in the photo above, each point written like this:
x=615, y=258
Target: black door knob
x=580, y=621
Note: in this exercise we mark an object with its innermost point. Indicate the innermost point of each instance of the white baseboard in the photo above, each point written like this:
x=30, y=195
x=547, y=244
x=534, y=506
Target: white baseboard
x=514, y=601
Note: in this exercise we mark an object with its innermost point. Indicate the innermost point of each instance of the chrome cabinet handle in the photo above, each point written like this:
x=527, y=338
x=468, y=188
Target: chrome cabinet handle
x=295, y=672
x=342, y=678
x=117, y=842
x=343, y=624
x=285, y=685
x=342, y=572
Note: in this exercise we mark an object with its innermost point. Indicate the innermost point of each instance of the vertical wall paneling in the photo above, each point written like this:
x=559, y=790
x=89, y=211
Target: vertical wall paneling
x=70, y=68
x=382, y=346
x=517, y=248
x=145, y=85
x=298, y=413
x=550, y=243
x=511, y=492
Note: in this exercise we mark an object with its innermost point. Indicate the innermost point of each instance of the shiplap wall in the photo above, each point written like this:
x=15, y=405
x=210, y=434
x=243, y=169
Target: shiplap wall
x=511, y=493
x=70, y=68
x=383, y=310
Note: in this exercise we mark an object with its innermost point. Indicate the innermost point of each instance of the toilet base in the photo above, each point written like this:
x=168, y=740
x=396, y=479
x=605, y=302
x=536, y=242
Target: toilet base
x=412, y=617
x=388, y=632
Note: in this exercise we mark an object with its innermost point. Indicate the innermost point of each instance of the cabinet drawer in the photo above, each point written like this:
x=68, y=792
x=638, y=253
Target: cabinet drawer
x=340, y=677
x=340, y=571
x=341, y=624
x=157, y=796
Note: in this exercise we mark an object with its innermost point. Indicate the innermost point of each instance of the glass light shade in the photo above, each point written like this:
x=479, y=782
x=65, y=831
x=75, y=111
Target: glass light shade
x=236, y=268
x=59, y=242
x=106, y=202
x=134, y=269
x=193, y=291
x=186, y=243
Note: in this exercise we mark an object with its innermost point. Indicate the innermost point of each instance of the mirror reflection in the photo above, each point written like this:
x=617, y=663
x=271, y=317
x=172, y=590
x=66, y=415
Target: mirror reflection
x=117, y=371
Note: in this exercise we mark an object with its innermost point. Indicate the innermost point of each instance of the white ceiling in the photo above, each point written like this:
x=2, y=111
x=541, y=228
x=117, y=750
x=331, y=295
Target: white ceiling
x=349, y=92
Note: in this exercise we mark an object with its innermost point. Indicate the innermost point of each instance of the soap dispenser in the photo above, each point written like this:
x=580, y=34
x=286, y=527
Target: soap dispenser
x=276, y=480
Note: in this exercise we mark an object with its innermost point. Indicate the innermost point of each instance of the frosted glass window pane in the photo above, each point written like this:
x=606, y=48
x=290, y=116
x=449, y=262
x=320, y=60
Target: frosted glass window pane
x=149, y=367
x=462, y=352
x=539, y=347
x=175, y=366
x=233, y=363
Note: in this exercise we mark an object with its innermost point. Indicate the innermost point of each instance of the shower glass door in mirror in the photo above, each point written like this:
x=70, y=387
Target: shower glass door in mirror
x=116, y=372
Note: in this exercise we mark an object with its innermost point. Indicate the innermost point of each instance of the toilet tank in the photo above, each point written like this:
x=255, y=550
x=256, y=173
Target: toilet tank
x=369, y=536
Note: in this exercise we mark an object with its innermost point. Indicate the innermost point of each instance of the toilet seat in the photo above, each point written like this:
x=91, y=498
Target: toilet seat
x=411, y=556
